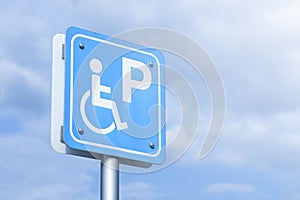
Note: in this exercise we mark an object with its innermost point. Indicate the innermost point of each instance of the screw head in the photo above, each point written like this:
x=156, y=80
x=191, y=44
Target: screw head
x=80, y=131
x=81, y=46
x=152, y=145
x=151, y=64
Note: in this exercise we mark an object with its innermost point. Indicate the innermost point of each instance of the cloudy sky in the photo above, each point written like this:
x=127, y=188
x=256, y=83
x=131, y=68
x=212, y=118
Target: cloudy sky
x=256, y=48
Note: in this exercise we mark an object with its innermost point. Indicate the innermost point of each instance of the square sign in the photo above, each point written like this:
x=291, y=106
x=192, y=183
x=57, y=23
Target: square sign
x=114, y=97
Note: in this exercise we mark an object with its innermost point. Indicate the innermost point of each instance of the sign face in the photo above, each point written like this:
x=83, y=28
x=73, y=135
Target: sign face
x=114, y=97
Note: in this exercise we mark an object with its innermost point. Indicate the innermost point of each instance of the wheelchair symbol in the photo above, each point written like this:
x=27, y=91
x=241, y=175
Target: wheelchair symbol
x=127, y=84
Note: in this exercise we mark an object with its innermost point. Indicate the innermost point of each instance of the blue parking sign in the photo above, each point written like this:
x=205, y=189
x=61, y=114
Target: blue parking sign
x=114, y=97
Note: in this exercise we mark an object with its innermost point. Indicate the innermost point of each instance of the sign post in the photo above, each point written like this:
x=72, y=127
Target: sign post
x=109, y=178
x=108, y=103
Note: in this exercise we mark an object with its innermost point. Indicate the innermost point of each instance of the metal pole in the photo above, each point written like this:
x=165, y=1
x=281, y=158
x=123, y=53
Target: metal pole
x=109, y=178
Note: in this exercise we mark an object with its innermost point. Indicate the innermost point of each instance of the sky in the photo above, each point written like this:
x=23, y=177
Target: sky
x=255, y=46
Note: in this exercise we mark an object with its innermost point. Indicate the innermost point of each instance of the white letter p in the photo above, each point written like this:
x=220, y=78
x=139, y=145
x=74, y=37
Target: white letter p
x=128, y=83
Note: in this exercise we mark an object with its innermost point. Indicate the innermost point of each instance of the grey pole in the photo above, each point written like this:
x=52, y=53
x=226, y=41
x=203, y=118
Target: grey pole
x=109, y=178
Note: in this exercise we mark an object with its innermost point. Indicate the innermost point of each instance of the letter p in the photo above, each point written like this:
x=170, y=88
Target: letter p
x=128, y=83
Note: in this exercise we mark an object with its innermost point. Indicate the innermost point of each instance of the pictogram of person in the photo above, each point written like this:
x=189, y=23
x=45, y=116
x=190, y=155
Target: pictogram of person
x=97, y=88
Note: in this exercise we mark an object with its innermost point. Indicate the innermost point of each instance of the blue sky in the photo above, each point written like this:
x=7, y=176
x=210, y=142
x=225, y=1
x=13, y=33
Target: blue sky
x=255, y=46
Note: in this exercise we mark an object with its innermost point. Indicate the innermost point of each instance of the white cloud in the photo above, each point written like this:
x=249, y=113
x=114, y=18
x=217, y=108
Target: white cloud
x=31, y=169
x=24, y=91
x=261, y=142
x=252, y=46
x=12, y=72
x=230, y=188
x=285, y=17
x=140, y=190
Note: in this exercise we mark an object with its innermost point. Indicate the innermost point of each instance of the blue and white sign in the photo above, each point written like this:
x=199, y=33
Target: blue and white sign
x=114, y=97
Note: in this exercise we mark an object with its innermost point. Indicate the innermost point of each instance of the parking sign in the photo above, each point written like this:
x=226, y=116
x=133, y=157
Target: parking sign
x=114, y=97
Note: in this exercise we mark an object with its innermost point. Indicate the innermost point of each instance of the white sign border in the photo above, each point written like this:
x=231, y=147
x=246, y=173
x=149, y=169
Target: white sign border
x=71, y=102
